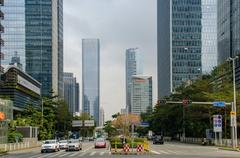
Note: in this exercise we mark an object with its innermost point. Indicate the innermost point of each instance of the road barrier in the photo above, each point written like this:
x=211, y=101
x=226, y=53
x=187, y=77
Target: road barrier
x=19, y=146
x=140, y=148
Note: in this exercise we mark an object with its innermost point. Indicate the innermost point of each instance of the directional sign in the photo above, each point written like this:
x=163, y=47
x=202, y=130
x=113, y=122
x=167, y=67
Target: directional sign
x=219, y=104
x=217, y=123
x=144, y=124
x=77, y=123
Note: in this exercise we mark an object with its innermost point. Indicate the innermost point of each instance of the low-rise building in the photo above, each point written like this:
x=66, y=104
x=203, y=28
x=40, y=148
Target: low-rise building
x=20, y=87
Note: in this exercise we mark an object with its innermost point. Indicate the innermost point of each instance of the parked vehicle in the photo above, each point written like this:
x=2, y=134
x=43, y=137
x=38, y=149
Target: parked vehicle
x=63, y=144
x=74, y=144
x=100, y=143
x=158, y=139
x=50, y=145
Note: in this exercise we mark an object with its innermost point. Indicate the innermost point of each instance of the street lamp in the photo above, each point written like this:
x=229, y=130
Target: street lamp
x=234, y=107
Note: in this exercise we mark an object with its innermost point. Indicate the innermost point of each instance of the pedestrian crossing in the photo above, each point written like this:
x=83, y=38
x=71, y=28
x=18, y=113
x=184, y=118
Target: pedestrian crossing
x=166, y=152
x=70, y=154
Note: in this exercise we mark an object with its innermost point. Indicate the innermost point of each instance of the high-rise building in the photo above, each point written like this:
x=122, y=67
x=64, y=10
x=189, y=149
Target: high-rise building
x=209, y=35
x=43, y=44
x=91, y=77
x=101, y=117
x=71, y=92
x=1, y=40
x=228, y=33
x=14, y=32
x=16, y=60
x=179, y=43
x=133, y=67
x=141, y=94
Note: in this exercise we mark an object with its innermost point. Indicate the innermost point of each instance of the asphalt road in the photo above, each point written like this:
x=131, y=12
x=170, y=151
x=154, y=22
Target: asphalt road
x=168, y=150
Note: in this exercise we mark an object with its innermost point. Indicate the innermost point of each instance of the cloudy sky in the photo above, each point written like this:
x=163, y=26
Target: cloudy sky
x=119, y=24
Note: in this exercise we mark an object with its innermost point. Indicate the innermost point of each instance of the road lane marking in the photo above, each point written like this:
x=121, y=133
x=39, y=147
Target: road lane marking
x=60, y=152
x=64, y=155
x=93, y=153
x=170, y=151
x=87, y=149
x=83, y=154
x=101, y=154
x=74, y=154
x=46, y=155
x=164, y=152
x=155, y=152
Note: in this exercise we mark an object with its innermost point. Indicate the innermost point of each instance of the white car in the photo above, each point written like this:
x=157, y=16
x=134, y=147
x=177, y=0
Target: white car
x=50, y=145
x=74, y=144
x=63, y=144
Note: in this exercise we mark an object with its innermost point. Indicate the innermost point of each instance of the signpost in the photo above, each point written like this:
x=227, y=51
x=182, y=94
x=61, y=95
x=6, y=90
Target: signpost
x=144, y=124
x=217, y=128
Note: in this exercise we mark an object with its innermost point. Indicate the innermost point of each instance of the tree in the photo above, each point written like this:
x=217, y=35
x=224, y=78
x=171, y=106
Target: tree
x=109, y=129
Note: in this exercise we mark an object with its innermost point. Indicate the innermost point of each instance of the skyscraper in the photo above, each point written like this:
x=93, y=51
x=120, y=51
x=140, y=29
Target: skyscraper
x=179, y=43
x=101, y=117
x=141, y=93
x=91, y=77
x=71, y=92
x=228, y=33
x=14, y=32
x=133, y=67
x=43, y=37
x=209, y=35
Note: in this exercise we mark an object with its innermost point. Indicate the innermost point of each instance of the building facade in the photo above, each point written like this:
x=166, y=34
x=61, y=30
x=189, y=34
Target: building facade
x=71, y=95
x=91, y=77
x=101, y=117
x=141, y=97
x=228, y=33
x=43, y=37
x=209, y=35
x=179, y=43
x=14, y=32
x=20, y=87
x=133, y=67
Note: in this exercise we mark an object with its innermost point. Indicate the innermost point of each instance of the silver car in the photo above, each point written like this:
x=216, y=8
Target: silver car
x=74, y=145
x=63, y=144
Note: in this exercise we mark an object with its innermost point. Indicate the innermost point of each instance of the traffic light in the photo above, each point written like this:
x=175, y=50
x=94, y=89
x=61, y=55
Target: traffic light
x=186, y=102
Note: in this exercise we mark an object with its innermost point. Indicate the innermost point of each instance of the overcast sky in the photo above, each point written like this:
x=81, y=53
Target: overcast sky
x=119, y=24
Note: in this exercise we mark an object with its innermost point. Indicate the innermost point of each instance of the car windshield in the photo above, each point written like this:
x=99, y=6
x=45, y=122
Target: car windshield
x=50, y=142
x=100, y=140
x=63, y=141
x=73, y=141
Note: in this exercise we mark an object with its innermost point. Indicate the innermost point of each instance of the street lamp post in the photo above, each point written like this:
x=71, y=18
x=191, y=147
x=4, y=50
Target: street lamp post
x=234, y=107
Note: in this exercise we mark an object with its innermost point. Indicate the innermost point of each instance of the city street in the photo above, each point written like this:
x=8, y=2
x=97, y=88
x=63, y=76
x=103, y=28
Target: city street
x=168, y=150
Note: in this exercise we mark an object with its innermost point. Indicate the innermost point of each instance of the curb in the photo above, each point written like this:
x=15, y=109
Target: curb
x=229, y=149
x=129, y=153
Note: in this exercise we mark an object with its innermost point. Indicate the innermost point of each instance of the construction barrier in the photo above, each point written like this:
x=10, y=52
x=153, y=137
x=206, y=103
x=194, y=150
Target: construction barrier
x=140, y=148
x=146, y=145
x=126, y=148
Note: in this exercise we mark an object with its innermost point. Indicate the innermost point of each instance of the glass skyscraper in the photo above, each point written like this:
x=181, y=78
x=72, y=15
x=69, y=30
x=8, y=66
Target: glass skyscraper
x=91, y=77
x=179, y=43
x=133, y=67
x=44, y=44
x=71, y=92
x=141, y=95
x=209, y=35
x=228, y=33
x=14, y=33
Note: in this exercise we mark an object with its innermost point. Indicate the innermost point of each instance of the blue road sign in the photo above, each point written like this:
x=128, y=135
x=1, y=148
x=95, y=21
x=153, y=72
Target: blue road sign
x=219, y=104
x=144, y=124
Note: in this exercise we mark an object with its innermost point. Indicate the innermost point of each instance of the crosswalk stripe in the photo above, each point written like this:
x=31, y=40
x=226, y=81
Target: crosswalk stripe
x=155, y=152
x=56, y=154
x=83, y=154
x=102, y=153
x=74, y=154
x=170, y=151
x=35, y=156
x=93, y=153
x=164, y=152
x=45, y=155
x=63, y=154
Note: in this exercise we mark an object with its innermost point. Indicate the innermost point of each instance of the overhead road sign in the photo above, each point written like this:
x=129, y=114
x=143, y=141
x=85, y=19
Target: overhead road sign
x=144, y=124
x=219, y=104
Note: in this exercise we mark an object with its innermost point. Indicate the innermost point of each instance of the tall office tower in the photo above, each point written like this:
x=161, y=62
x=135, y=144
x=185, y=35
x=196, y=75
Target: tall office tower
x=141, y=94
x=179, y=43
x=1, y=40
x=133, y=67
x=43, y=37
x=14, y=33
x=77, y=105
x=71, y=95
x=91, y=77
x=101, y=117
x=16, y=61
x=209, y=35
x=228, y=33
